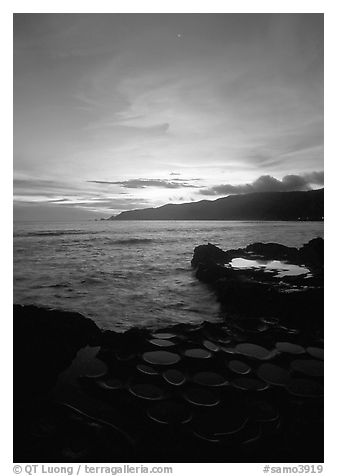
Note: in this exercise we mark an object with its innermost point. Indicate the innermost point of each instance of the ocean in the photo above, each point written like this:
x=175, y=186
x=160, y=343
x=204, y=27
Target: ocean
x=132, y=273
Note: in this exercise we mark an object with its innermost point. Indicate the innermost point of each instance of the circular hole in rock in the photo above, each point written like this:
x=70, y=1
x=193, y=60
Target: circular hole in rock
x=239, y=367
x=201, y=397
x=249, y=384
x=161, y=342
x=228, y=350
x=163, y=335
x=146, y=391
x=93, y=376
x=198, y=353
x=252, y=350
x=301, y=387
x=146, y=369
x=211, y=346
x=174, y=377
x=290, y=348
x=273, y=374
x=209, y=379
x=170, y=413
x=161, y=357
x=110, y=384
x=310, y=367
x=95, y=368
x=316, y=352
x=209, y=439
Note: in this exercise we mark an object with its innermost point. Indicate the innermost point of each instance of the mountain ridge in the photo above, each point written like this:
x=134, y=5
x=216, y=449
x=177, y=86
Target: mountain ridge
x=287, y=206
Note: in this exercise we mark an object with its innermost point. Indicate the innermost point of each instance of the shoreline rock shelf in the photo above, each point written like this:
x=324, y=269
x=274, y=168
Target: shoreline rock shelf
x=260, y=292
x=230, y=391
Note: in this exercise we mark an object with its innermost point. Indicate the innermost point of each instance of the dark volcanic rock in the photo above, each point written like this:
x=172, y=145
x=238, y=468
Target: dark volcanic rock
x=272, y=251
x=208, y=254
x=45, y=343
x=246, y=297
x=133, y=340
x=312, y=253
x=252, y=292
x=163, y=413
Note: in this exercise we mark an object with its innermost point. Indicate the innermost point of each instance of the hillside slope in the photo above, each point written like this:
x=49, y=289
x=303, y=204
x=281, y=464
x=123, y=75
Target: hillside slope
x=253, y=206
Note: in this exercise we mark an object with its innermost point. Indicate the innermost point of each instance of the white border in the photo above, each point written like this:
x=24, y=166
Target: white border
x=174, y=6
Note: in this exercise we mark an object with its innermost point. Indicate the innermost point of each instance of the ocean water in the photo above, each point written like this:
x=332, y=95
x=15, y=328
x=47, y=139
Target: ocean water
x=132, y=273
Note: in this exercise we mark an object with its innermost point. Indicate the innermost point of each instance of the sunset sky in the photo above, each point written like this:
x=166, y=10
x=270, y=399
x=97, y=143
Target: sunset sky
x=120, y=111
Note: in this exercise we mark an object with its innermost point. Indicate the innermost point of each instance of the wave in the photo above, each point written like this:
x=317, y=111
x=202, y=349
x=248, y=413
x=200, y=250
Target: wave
x=55, y=285
x=92, y=280
x=132, y=241
x=120, y=241
x=55, y=233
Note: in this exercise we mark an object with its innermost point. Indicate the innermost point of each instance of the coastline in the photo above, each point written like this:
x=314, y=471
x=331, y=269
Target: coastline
x=192, y=390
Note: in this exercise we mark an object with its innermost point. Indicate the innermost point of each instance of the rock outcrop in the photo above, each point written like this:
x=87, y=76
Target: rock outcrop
x=258, y=292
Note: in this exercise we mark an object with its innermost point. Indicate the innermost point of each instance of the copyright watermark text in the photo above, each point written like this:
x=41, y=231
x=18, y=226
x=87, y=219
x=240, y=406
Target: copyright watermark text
x=296, y=469
x=32, y=469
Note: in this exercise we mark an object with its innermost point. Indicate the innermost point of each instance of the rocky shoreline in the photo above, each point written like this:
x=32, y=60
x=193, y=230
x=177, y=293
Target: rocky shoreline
x=296, y=299
x=247, y=389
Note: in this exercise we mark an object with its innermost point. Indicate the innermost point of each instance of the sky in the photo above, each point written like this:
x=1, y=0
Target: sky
x=114, y=112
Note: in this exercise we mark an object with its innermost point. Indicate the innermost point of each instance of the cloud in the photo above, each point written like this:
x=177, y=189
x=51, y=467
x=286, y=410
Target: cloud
x=267, y=183
x=59, y=200
x=32, y=192
x=113, y=203
x=144, y=183
x=103, y=205
x=316, y=178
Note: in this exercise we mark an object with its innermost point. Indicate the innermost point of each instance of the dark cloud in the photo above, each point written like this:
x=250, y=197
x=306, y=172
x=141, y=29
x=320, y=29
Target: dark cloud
x=174, y=173
x=267, y=183
x=316, y=178
x=144, y=183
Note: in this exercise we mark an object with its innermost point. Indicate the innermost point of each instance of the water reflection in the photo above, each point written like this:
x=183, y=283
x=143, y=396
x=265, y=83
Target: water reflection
x=282, y=268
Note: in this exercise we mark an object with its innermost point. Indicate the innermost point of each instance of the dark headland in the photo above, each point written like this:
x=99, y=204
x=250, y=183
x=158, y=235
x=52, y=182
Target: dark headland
x=248, y=388
x=251, y=206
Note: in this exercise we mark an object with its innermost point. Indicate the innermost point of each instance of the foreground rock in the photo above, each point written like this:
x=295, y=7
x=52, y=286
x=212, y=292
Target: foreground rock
x=240, y=391
x=45, y=343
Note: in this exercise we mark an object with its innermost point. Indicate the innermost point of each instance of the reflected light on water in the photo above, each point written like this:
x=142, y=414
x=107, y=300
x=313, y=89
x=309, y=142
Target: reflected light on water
x=282, y=268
